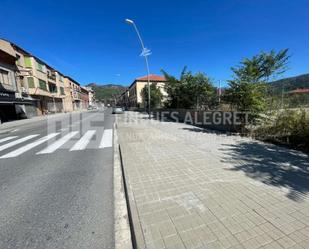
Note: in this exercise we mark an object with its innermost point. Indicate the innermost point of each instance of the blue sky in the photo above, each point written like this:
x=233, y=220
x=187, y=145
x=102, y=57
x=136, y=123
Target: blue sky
x=90, y=41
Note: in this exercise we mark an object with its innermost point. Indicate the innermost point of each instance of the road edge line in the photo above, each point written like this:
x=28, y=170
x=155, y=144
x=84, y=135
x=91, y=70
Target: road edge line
x=121, y=219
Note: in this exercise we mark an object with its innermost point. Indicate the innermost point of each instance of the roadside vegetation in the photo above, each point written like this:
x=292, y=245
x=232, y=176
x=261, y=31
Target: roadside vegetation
x=156, y=96
x=190, y=91
x=287, y=127
x=247, y=92
x=274, y=115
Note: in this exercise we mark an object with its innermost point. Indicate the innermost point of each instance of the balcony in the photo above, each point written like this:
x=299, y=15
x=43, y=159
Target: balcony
x=51, y=76
x=75, y=95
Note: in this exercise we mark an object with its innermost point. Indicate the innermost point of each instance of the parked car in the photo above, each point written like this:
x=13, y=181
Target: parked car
x=117, y=110
x=92, y=107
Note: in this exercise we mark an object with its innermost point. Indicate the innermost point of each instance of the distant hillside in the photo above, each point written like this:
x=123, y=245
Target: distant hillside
x=106, y=92
x=291, y=83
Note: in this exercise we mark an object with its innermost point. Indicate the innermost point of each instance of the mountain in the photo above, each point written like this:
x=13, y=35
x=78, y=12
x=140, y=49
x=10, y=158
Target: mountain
x=291, y=83
x=106, y=92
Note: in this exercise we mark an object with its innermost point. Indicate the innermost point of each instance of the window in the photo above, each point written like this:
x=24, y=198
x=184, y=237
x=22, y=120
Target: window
x=28, y=62
x=40, y=67
x=62, y=90
x=18, y=60
x=30, y=82
x=43, y=85
x=5, y=77
x=60, y=78
x=52, y=88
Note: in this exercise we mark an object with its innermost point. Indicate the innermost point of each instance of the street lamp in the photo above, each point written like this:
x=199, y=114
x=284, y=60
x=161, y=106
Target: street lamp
x=145, y=53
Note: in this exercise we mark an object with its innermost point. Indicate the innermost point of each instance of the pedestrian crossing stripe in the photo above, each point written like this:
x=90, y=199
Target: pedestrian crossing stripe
x=56, y=145
x=7, y=139
x=18, y=141
x=27, y=147
x=82, y=143
x=107, y=139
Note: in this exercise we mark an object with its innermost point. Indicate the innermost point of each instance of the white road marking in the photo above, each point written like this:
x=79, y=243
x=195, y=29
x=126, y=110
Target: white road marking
x=7, y=139
x=18, y=141
x=27, y=147
x=56, y=145
x=107, y=139
x=83, y=142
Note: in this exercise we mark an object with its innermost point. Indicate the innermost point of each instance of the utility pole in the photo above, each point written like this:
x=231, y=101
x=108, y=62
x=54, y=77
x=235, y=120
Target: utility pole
x=282, y=90
x=219, y=91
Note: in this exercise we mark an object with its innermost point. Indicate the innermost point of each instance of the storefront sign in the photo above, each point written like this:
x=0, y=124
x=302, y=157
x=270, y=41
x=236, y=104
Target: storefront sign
x=6, y=96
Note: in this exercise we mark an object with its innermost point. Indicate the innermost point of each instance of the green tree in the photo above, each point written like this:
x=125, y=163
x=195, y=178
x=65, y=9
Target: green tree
x=190, y=90
x=155, y=96
x=248, y=90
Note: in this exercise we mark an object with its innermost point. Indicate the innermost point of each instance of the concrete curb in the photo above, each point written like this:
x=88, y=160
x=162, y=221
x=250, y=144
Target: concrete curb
x=122, y=226
x=137, y=234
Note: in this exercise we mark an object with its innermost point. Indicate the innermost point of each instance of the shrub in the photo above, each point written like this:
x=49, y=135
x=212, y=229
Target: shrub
x=290, y=127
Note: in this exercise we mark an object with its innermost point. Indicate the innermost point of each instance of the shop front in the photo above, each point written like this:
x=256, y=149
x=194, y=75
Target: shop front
x=12, y=108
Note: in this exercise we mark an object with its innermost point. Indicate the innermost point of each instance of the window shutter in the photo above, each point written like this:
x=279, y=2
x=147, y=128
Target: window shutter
x=28, y=62
x=62, y=90
x=43, y=85
x=31, y=82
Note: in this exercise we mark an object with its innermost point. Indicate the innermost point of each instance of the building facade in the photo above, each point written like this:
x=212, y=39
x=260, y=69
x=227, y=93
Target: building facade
x=42, y=82
x=30, y=87
x=123, y=99
x=84, y=96
x=14, y=99
x=74, y=92
x=91, y=96
x=133, y=96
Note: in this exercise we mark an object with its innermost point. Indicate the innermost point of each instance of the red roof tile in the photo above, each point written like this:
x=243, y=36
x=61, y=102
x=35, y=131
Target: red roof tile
x=300, y=91
x=152, y=77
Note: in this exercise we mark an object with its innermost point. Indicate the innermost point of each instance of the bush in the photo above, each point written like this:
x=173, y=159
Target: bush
x=290, y=127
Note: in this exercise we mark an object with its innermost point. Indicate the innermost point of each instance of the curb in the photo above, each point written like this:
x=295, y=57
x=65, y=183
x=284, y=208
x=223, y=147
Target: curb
x=137, y=235
x=121, y=218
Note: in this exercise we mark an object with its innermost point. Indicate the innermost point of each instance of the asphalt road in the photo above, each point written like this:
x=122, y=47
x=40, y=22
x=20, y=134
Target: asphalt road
x=56, y=183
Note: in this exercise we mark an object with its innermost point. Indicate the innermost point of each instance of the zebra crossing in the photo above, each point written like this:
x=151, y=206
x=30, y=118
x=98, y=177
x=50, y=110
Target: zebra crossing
x=59, y=142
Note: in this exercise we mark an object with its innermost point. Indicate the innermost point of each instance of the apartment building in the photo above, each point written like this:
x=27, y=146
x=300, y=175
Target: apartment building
x=133, y=96
x=84, y=96
x=30, y=87
x=91, y=96
x=42, y=82
x=123, y=99
x=74, y=91
x=14, y=100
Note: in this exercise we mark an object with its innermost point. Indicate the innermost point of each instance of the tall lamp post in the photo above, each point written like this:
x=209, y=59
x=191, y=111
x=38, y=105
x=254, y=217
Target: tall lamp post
x=145, y=53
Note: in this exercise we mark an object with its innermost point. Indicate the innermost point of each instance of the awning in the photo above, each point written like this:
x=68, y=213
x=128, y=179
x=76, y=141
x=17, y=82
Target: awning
x=23, y=102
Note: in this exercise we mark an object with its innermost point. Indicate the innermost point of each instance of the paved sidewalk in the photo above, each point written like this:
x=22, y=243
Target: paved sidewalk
x=192, y=189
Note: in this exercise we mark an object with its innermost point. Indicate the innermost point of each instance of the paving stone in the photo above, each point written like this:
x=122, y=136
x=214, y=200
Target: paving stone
x=304, y=244
x=286, y=242
x=273, y=245
x=196, y=190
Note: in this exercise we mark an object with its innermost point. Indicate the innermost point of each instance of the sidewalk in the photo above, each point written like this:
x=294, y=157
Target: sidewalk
x=192, y=189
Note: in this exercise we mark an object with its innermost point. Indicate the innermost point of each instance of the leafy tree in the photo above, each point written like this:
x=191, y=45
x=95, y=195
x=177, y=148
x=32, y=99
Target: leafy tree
x=189, y=91
x=247, y=91
x=156, y=96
